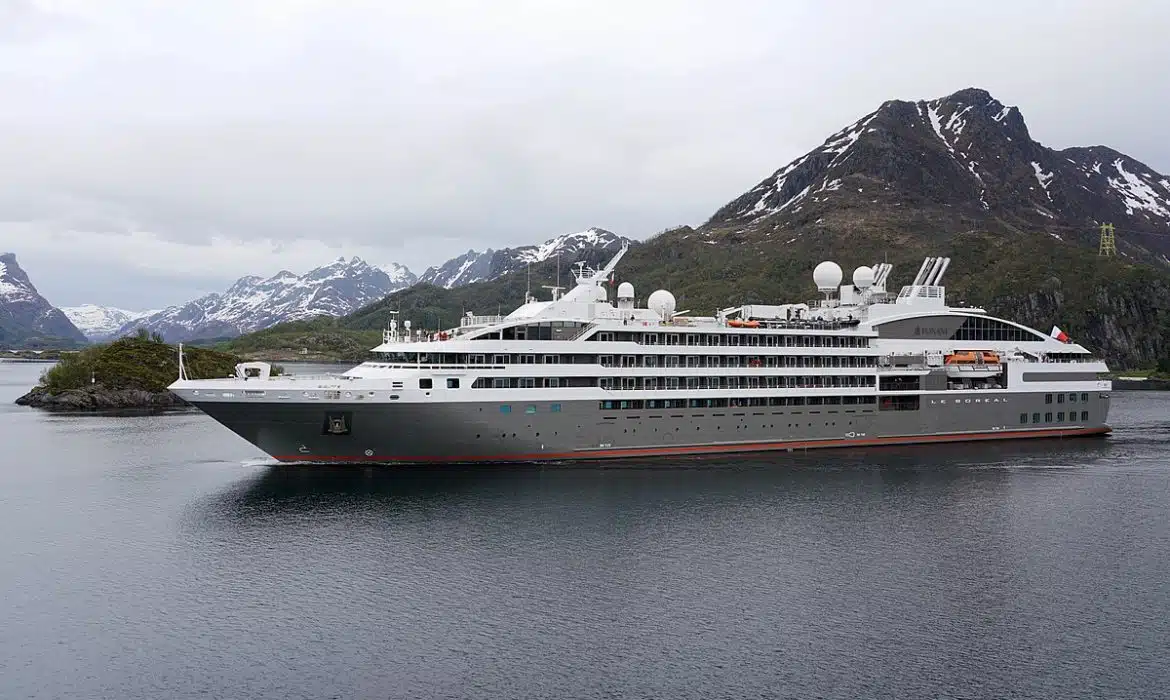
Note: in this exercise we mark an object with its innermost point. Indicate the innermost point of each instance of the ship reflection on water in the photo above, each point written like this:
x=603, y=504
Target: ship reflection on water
x=985, y=467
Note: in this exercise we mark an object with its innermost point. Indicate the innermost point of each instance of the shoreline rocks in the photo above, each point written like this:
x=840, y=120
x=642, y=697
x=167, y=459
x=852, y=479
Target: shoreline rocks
x=99, y=398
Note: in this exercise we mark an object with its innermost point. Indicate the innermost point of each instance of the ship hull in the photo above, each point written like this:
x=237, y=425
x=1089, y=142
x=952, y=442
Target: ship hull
x=447, y=433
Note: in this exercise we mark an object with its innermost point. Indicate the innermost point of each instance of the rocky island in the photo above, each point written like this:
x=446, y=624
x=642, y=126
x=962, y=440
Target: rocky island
x=129, y=373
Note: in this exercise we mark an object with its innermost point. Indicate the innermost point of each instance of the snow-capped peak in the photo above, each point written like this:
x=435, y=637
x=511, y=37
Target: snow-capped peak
x=14, y=283
x=27, y=314
x=399, y=273
x=567, y=244
x=491, y=264
x=101, y=322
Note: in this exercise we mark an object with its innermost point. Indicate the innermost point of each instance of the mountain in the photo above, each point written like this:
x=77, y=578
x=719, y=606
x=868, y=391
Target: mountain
x=100, y=323
x=472, y=267
x=958, y=176
x=966, y=153
x=253, y=303
x=26, y=318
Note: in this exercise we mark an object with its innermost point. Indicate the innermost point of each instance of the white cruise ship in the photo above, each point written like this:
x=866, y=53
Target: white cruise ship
x=581, y=377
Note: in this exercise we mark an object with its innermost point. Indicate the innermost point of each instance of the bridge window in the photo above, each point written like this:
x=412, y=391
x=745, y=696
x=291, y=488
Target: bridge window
x=984, y=328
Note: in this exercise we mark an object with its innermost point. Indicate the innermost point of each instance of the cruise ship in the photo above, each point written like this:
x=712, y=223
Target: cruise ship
x=583, y=376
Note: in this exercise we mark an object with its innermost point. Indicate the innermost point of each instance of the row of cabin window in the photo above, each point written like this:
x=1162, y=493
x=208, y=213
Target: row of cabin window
x=1072, y=416
x=771, y=340
x=755, y=401
x=671, y=383
x=736, y=361
x=1072, y=398
x=635, y=360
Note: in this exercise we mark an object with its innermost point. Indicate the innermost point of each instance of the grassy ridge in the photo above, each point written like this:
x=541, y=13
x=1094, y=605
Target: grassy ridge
x=323, y=338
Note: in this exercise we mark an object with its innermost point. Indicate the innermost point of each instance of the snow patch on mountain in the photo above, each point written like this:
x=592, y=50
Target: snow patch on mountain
x=1137, y=193
x=1043, y=178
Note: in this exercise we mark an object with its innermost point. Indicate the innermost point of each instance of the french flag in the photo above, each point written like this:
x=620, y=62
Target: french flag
x=1059, y=334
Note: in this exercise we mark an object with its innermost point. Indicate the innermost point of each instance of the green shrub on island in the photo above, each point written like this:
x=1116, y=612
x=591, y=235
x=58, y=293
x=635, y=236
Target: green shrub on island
x=143, y=362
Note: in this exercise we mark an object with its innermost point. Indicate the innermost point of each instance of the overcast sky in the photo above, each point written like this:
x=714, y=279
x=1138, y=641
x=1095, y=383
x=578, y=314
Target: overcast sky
x=154, y=151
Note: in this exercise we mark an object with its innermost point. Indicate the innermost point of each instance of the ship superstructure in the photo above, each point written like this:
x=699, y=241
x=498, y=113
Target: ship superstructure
x=578, y=376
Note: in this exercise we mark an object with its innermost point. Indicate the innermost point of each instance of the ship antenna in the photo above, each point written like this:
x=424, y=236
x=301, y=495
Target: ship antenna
x=182, y=368
x=528, y=284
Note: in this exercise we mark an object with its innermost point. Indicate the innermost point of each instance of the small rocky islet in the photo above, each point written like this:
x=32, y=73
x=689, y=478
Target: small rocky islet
x=129, y=373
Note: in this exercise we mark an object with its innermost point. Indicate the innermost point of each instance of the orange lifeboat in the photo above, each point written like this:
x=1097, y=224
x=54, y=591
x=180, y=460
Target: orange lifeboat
x=971, y=357
x=740, y=323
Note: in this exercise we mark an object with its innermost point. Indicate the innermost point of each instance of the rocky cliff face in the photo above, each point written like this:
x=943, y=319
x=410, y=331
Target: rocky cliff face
x=27, y=318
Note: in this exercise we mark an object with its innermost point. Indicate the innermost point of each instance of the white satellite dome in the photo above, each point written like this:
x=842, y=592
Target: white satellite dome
x=625, y=291
x=827, y=276
x=662, y=303
x=863, y=277
x=600, y=294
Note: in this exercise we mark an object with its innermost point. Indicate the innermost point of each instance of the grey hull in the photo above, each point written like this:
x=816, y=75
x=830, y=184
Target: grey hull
x=482, y=432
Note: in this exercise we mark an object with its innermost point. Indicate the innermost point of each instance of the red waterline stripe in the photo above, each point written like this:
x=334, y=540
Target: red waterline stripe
x=710, y=449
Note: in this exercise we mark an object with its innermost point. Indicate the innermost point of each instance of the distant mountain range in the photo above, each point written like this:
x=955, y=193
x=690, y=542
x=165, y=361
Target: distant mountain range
x=28, y=320
x=100, y=323
x=254, y=303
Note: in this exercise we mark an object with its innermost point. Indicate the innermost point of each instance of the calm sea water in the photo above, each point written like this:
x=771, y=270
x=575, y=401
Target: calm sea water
x=161, y=557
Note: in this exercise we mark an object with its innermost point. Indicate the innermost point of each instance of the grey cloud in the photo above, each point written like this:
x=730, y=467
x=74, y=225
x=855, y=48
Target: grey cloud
x=25, y=21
